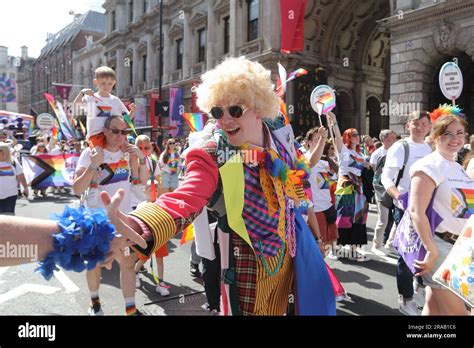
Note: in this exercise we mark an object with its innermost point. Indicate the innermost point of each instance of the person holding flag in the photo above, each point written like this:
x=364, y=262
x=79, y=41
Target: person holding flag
x=101, y=105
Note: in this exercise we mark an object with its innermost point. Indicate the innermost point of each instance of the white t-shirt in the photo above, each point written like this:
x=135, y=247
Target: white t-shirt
x=114, y=174
x=350, y=162
x=98, y=109
x=165, y=168
x=319, y=180
x=377, y=154
x=8, y=182
x=470, y=167
x=394, y=162
x=454, y=197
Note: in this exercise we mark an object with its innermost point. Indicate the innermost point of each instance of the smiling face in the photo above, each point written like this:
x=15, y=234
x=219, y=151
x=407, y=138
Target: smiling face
x=451, y=140
x=245, y=129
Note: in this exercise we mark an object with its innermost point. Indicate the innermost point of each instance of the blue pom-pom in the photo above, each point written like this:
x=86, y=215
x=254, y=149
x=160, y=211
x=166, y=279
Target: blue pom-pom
x=84, y=241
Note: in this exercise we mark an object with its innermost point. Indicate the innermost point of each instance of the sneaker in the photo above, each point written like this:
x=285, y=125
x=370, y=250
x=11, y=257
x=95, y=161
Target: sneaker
x=215, y=312
x=332, y=256
x=391, y=250
x=162, y=290
x=138, y=283
x=194, y=270
x=379, y=251
x=408, y=307
x=95, y=310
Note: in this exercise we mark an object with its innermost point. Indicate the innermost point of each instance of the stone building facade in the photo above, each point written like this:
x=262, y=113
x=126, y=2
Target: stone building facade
x=382, y=57
x=55, y=63
x=24, y=81
x=424, y=35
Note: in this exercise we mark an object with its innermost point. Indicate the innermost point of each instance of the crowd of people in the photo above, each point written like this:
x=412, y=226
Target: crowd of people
x=266, y=229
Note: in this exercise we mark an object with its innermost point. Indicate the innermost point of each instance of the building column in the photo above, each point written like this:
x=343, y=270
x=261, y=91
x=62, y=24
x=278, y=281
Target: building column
x=211, y=35
x=187, y=46
x=151, y=58
x=271, y=25
x=167, y=56
x=120, y=71
x=136, y=67
x=234, y=8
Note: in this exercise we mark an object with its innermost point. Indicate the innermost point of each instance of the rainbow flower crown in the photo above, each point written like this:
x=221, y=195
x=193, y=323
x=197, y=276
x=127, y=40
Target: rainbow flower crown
x=446, y=110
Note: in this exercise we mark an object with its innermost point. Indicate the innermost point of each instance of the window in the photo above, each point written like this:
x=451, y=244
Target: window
x=130, y=12
x=130, y=73
x=144, y=58
x=145, y=6
x=252, y=29
x=201, y=45
x=179, y=54
x=226, y=34
x=114, y=20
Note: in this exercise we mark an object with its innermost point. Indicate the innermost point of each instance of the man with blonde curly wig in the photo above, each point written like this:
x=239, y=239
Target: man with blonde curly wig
x=248, y=172
x=245, y=172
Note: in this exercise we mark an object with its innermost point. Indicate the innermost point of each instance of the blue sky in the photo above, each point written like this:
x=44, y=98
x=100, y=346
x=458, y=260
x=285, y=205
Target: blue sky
x=26, y=22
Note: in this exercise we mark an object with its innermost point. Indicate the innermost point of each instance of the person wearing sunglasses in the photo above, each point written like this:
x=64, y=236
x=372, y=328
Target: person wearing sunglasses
x=351, y=204
x=169, y=163
x=115, y=167
x=266, y=246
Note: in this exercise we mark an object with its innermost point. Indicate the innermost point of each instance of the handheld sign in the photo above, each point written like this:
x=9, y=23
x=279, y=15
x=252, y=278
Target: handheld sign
x=45, y=121
x=451, y=81
x=323, y=100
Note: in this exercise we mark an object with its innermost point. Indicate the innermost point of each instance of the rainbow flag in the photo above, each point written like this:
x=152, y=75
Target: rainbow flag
x=126, y=118
x=328, y=101
x=63, y=121
x=45, y=171
x=195, y=121
x=283, y=111
x=297, y=73
x=188, y=234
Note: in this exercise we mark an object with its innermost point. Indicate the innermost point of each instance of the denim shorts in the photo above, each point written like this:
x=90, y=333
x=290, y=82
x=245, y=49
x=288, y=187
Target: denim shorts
x=443, y=248
x=170, y=180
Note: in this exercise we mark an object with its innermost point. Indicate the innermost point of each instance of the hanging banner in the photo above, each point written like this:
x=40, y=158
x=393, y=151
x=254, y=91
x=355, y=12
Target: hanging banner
x=140, y=113
x=292, y=25
x=63, y=91
x=154, y=98
x=176, y=111
x=43, y=171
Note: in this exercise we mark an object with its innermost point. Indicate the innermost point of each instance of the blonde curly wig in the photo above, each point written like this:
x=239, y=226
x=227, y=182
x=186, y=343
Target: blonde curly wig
x=238, y=81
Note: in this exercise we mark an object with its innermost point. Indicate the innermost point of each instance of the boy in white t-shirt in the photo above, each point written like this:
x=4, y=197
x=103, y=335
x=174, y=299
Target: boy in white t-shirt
x=101, y=105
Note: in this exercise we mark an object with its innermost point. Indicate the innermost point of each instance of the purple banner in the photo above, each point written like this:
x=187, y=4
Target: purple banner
x=176, y=111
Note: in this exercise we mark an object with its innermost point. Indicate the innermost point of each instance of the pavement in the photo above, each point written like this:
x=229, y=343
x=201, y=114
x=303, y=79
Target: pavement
x=371, y=285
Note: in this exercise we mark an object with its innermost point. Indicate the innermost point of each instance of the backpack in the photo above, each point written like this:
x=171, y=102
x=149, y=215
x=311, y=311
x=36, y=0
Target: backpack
x=381, y=193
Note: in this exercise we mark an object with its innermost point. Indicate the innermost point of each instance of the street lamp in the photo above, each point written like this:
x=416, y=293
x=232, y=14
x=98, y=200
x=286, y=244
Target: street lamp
x=160, y=73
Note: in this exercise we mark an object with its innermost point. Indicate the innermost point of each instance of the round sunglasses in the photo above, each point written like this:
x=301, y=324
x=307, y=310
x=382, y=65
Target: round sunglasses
x=119, y=131
x=235, y=111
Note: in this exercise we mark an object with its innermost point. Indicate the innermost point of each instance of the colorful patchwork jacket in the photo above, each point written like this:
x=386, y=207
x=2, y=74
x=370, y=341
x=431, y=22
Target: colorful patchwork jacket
x=255, y=214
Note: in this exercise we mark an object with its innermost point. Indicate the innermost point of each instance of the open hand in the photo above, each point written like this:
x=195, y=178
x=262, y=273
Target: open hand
x=129, y=236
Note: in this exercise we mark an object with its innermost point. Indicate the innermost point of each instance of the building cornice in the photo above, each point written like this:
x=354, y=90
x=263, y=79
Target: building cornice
x=428, y=16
